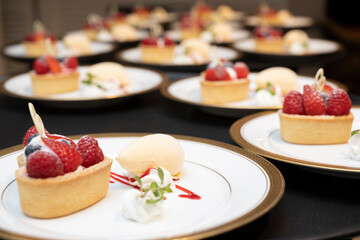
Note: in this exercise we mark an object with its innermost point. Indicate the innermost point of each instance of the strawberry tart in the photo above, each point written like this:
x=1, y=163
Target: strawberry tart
x=157, y=49
x=49, y=76
x=271, y=16
x=95, y=25
x=268, y=39
x=308, y=119
x=57, y=177
x=224, y=82
x=190, y=26
x=35, y=43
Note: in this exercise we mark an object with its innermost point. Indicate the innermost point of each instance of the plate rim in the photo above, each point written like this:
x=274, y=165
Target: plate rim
x=312, y=22
x=25, y=58
x=162, y=75
x=236, y=127
x=276, y=179
x=164, y=90
x=340, y=46
x=118, y=56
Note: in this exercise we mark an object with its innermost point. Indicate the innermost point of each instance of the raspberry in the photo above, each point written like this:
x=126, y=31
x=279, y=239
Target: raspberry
x=67, y=154
x=241, y=69
x=42, y=164
x=71, y=63
x=221, y=73
x=210, y=75
x=338, y=103
x=40, y=66
x=293, y=103
x=31, y=132
x=90, y=151
x=313, y=101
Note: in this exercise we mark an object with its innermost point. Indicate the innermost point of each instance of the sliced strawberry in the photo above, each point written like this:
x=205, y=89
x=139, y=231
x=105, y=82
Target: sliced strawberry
x=313, y=101
x=222, y=74
x=62, y=138
x=210, y=75
x=293, y=103
x=42, y=164
x=241, y=69
x=53, y=63
x=67, y=154
x=327, y=89
x=31, y=132
x=338, y=103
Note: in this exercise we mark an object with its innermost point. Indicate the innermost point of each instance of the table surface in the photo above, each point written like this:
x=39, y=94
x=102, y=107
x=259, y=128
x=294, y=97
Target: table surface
x=313, y=206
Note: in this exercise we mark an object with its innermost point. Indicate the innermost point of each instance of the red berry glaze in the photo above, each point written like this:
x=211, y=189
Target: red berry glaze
x=313, y=101
x=42, y=164
x=67, y=154
x=241, y=69
x=338, y=103
x=293, y=103
x=30, y=132
x=71, y=63
x=41, y=66
x=90, y=151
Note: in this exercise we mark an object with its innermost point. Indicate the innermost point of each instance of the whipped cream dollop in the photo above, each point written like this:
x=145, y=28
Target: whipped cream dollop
x=298, y=48
x=264, y=97
x=134, y=207
x=153, y=176
x=354, y=146
x=104, y=35
x=35, y=144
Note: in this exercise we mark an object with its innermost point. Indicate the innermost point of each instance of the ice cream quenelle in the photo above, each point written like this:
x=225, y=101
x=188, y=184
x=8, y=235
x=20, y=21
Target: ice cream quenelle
x=152, y=151
x=109, y=70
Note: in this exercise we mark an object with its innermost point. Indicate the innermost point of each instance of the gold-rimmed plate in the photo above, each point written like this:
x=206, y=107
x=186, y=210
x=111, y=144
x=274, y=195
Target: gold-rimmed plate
x=235, y=186
x=260, y=133
x=294, y=22
x=187, y=90
x=143, y=80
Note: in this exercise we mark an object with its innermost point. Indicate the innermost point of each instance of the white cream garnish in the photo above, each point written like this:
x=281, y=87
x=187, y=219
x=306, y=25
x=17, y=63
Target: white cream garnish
x=297, y=48
x=104, y=35
x=264, y=97
x=36, y=141
x=153, y=176
x=134, y=207
x=354, y=146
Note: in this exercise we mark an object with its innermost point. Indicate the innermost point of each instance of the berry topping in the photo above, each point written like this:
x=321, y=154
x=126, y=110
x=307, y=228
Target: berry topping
x=313, y=101
x=327, y=89
x=241, y=69
x=210, y=75
x=338, y=103
x=29, y=149
x=293, y=103
x=267, y=32
x=217, y=73
x=40, y=66
x=53, y=63
x=42, y=164
x=71, y=63
x=151, y=41
x=30, y=134
x=168, y=41
x=67, y=154
x=90, y=151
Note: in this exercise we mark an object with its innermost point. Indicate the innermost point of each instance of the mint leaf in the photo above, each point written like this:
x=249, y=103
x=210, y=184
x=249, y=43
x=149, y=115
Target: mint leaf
x=355, y=132
x=161, y=174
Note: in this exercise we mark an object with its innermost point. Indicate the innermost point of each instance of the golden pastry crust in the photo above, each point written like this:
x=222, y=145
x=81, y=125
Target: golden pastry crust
x=63, y=195
x=322, y=129
x=217, y=92
x=37, y=49
x=155, y=54
x=269, y=45
x=45, y=84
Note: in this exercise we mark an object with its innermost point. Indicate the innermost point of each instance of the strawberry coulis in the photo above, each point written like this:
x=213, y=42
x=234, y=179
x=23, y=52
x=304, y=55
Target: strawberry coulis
x=123, y=179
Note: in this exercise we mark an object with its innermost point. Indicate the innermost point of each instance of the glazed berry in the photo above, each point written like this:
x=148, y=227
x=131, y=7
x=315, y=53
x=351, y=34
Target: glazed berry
x=293, y=103
x=168, y=42
x=41, y=66
x=30, y=133
x=90, y=151
x=29, y=37
x=67, y=154
x=42, y=164
x=210, y=75
x=71, y=63
x=338, y=103
x=222, y=73
x=150, y=41
x=53, y=63
x=30, y=149
x=241, y=69
x=313, y=101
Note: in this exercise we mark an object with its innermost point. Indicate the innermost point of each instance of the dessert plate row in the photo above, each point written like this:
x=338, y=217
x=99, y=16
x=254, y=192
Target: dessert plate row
x=17, y=51
x=142, y=81
x=236, y=187
x=187, y=90
x=294, y=22
x=260, y=133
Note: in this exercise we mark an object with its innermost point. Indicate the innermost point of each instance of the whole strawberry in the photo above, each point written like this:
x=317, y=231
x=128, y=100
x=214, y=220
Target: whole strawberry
x=313, y=101
x=293, y=103
x=90, y=151
x=30, y=133
x=67, y=154
x=338, y=103
x=42, y=164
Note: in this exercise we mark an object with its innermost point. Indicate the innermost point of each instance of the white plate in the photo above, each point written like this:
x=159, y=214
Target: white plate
x=97, y=48
x=141, y=35
x=187, y=90
x=142, y=81
x=235, y=187
x=237, y=34
x=133, y=56
x=295, y=22
x=261, y=133
x=316, y=47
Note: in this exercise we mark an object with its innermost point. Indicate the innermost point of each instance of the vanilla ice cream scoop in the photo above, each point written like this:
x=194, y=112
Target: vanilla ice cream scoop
x=109, y=70
x=151, y=151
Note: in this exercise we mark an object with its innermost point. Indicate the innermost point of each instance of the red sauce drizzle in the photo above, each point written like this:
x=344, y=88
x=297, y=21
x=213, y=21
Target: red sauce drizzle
x=110, y=181
x=189, y=194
